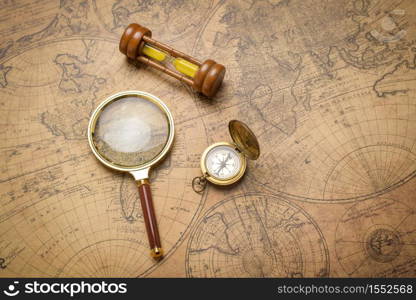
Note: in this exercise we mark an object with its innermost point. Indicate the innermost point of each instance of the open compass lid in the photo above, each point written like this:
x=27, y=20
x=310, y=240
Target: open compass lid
x=244, y=138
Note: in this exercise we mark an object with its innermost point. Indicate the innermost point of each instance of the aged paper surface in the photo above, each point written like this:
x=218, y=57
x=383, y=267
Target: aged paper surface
x=329, y=89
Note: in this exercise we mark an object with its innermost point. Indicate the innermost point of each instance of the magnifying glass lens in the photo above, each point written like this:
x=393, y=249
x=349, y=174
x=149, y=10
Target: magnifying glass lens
x=131, y=131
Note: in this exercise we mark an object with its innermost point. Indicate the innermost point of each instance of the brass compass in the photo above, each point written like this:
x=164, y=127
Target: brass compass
x=225, y=163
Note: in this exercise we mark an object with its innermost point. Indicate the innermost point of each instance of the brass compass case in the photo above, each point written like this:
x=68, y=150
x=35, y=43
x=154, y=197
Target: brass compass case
x=246, y=146
x=218, y=181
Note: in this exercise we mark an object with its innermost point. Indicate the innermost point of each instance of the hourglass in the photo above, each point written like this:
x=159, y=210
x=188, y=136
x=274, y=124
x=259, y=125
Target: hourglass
x=206, y=77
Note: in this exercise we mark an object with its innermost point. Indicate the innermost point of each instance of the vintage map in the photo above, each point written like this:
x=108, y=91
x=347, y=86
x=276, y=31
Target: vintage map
x=327, y=86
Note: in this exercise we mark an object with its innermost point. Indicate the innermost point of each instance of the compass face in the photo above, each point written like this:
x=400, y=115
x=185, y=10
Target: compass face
x=223, y=162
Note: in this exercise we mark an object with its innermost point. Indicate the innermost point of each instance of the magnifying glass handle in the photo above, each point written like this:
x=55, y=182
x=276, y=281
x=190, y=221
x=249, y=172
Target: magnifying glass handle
x=156, y=250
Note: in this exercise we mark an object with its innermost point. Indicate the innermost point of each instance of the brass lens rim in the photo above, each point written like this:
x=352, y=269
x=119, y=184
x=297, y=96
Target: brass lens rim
x=112, y=98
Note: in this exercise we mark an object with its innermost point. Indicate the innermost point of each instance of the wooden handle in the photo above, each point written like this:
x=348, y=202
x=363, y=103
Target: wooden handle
x=150, y=219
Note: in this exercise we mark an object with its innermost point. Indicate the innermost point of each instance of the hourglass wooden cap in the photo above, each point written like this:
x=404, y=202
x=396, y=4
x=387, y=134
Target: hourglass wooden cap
x=131, y=42
x=207, y=79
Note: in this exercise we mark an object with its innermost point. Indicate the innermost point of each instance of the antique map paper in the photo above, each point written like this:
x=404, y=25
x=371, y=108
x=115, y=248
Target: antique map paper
x=327, y=86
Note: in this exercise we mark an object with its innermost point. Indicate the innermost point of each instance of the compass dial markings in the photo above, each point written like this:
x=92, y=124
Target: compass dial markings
x=223, y=162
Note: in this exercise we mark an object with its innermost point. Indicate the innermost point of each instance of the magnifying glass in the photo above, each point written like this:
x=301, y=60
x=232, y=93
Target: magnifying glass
x=131, y=132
